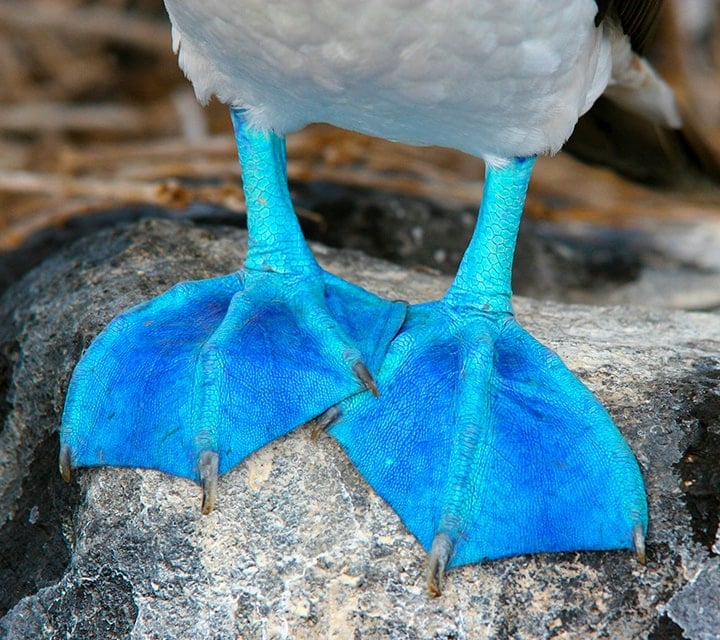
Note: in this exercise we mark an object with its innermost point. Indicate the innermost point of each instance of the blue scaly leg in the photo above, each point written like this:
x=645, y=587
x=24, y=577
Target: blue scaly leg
x=483, y=442
x=195, y=380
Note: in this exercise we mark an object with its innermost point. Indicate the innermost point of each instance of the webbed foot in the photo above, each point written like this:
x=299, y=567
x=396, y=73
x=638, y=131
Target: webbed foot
x=483, y=442
x=195, y=380
x=487, y=446
x=222, y=365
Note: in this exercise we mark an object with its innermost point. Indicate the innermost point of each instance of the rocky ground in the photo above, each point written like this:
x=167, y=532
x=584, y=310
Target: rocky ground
x=298, y=545
x=114, y=185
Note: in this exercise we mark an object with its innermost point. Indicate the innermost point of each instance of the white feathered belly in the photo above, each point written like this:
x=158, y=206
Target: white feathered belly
x=490, y=77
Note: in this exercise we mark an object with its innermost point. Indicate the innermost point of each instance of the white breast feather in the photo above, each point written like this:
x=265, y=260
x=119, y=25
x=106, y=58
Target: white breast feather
x=490, y=77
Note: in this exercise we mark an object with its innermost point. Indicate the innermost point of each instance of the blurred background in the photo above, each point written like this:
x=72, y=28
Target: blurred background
x=98, y=126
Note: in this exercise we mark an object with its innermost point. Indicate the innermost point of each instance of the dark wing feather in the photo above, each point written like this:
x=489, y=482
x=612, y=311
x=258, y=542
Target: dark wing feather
x=644, y=151
x=631, y=144
x=638, y=18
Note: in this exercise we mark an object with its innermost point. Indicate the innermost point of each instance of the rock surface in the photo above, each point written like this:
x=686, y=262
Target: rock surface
x=657, y=261
x=298, y=546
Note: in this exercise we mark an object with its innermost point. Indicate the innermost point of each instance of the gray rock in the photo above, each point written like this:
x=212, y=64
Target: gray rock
x=696, y=606
x=658, y=261
x=298, y=545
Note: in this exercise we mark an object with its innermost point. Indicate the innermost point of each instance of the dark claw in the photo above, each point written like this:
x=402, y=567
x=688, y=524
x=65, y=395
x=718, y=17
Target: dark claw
x=639, y=543
x=64, y=463
x=362, y=373
x=440, y=553
x=324, y=421
x=208, y=465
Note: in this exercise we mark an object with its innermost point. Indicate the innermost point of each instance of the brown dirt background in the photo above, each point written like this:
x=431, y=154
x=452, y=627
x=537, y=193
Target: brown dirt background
x=94, y=113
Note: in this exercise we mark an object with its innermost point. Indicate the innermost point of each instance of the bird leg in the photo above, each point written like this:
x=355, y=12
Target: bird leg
x=195, y=380
x=482, y=440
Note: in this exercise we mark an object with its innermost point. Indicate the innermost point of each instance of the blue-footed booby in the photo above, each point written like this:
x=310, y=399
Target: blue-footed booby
x=478, y=436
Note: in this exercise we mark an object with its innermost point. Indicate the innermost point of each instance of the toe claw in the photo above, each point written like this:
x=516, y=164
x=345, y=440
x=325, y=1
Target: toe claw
x=64, y=462
x=208, y=465
x=324, y=421
x=440, y=553
x=362, y=373
x=639, y=543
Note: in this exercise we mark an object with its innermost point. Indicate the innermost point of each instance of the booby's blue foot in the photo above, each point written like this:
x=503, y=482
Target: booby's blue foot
x=482, y=440
x=192, y=382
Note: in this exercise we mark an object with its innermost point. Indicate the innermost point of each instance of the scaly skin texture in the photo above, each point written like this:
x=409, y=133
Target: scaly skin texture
x=212, y=370
x=275, y=241
x=482, y=440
